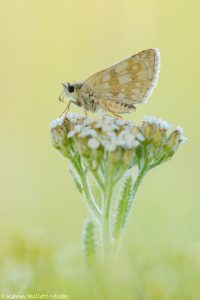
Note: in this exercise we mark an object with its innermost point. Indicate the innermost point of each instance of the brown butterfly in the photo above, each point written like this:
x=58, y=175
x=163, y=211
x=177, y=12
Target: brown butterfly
x=118, y=88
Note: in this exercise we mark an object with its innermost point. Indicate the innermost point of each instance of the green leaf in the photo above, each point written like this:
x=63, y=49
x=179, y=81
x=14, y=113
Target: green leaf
x=89, y=241
x=123, y=208
x=77, y=183
x=162, y=159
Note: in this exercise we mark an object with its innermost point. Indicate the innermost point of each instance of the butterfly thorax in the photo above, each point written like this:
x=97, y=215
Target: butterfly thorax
x=86, y=96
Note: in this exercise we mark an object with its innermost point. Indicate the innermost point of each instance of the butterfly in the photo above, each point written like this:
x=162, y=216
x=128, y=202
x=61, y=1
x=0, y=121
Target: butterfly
x=119, y=88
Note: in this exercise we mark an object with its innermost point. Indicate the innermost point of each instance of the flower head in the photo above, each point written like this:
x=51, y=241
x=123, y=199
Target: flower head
x=122, y=141
x=96, y=139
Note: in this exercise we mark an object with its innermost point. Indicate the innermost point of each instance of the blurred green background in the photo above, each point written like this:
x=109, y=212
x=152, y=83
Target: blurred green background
x=44, y=43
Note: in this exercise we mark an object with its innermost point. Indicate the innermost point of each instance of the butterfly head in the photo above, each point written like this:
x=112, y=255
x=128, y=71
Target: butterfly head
x=68, y=90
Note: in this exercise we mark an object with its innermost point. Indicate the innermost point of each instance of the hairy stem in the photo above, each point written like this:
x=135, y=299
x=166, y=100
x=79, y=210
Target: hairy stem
x=98, y=179
x=141, y=174
x=128, y=205
x=107, y=207
x=88, y=197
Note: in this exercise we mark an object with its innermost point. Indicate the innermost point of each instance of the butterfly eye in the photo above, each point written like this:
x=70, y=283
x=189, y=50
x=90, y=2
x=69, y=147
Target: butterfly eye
x=70, y=88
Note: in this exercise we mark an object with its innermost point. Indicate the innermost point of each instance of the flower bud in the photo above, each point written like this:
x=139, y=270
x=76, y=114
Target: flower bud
x=174, y=139
x=154, y=130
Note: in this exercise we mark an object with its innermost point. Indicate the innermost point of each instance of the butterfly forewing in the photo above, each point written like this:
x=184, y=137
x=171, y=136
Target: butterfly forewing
x=130, y=81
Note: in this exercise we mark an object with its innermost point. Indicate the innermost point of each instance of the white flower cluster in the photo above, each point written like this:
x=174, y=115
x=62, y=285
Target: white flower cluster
x=158, y=122
x=72, y=117
x=111, y=133
x=108, y=132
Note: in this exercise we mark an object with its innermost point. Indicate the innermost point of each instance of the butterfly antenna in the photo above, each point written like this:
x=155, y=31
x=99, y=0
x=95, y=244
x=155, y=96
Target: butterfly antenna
x=61, y=96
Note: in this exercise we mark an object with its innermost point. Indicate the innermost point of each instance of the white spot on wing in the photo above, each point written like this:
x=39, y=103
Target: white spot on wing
x=124, y=79
x=136, y=91
x=108, y=95
x=106, y=77
x=106, y=85
x=121, y=66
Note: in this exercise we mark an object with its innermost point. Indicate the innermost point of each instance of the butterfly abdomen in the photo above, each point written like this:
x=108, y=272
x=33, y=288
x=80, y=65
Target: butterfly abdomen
x=116, y=107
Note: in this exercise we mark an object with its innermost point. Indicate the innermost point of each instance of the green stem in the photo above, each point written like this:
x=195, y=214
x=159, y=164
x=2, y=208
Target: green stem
x=134, y=189
x=93, y=207
x=106, y=226
x=140, y=176
x=98, y=180
x=89, y=198
x=142, y=171
x=119, y=175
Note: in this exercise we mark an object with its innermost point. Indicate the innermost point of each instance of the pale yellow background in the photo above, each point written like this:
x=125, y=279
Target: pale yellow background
x=46, y=42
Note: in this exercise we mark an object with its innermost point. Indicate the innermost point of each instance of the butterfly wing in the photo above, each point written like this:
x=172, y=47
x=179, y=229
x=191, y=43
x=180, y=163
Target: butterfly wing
x=131, y=81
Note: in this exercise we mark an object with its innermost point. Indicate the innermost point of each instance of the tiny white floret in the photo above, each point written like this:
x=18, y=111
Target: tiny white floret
x=140, y=137
x=93, y=143
x=71, y=134
x=56, y=122
x=179, y=129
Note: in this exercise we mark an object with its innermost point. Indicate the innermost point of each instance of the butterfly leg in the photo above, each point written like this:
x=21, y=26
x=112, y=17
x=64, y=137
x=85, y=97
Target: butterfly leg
x=85, y=112
x=116, y=115
x=67, y=108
